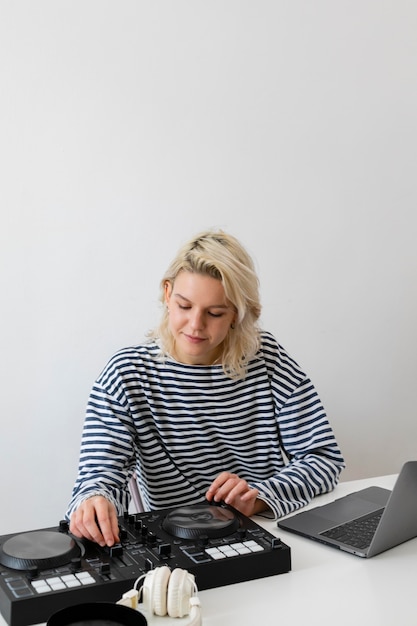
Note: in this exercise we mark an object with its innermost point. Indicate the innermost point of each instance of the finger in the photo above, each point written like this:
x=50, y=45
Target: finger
x=96, y=520
x=221, y=479
x=77, y=526
x=236, y=490
x=252, y=494
x=234, y=485
x=245, y=501
x=89, y=526
x=78, y=530
x=218, y=483
x=106, y=524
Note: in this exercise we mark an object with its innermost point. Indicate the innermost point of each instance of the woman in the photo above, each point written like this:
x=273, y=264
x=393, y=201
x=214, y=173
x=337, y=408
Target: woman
x=210, y=407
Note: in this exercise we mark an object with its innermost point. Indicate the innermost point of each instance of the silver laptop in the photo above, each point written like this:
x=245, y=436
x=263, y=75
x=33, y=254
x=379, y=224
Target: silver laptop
x=387, y=518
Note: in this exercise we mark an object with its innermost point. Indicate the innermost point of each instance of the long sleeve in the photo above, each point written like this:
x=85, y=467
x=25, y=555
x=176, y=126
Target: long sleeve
x=107, y=456
x=314, y=460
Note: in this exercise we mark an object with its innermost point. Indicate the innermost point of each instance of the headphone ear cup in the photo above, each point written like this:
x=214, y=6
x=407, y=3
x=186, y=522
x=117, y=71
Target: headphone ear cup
x=180, y=590
x=155, y=589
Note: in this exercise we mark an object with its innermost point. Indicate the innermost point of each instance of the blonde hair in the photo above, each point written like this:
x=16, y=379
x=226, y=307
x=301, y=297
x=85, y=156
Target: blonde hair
x=220, y=256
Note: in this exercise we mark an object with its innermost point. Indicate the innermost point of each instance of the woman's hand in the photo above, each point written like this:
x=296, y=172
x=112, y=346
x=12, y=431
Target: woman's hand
x=236, y=492
x=96, y=520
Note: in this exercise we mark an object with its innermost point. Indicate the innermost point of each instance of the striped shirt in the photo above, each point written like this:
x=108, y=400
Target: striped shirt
x=178, y=426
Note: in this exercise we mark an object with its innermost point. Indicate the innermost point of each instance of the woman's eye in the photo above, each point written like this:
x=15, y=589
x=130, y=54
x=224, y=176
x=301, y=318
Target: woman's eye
x=185, y=307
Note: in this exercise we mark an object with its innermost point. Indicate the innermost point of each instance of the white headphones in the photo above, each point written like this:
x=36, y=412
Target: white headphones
x=171, y=593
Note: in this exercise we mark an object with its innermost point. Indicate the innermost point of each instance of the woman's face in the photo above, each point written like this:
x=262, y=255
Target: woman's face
x=200, y=317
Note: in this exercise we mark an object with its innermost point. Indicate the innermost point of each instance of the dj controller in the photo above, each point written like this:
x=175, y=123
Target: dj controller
x=43, y=571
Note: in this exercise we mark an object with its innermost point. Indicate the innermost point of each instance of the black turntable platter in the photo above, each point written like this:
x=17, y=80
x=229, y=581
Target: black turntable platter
x=188, y=522
x=41, y=548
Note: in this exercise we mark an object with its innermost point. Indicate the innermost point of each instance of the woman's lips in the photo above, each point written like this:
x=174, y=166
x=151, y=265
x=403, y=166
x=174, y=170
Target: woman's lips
x=193, y=339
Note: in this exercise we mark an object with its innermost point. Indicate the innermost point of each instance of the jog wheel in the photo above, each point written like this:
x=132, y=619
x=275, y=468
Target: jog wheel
x=190, y=522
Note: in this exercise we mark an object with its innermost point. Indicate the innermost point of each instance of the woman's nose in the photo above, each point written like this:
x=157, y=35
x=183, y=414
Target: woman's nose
x=197, y=320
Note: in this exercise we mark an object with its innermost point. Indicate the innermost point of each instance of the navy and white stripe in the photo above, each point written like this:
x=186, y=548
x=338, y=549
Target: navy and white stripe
x=178, y=426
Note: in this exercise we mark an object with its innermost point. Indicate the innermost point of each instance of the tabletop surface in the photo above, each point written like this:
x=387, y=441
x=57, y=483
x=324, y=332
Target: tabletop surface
x=324, y=587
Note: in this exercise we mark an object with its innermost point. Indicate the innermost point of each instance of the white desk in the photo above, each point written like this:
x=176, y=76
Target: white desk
x=325, y=587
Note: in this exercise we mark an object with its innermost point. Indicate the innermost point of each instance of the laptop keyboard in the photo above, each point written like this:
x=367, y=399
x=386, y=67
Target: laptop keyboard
x=357, y=533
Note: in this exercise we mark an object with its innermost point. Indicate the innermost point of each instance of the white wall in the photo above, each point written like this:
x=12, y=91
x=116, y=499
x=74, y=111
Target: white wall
x=125, y=127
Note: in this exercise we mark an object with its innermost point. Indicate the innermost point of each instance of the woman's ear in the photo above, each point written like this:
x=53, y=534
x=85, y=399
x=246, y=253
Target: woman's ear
x=168, y=291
